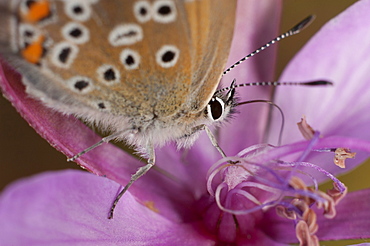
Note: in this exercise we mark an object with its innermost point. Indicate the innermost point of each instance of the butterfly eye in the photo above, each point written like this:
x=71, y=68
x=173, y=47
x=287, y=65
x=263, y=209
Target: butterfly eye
x=215, y=108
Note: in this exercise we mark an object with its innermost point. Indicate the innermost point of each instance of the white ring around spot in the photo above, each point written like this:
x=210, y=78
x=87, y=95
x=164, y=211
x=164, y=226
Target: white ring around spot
x=71, y=4
x=123, y=34
x=162, y=51
x=85, y=36
x=102, y=69
x=164, y=18
x=138, y=6
x=71, y=84
x=22, y=38
x=56, y=50
x=129, y=52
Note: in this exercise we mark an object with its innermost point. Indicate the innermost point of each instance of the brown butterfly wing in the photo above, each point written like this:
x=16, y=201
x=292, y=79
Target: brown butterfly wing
x=139, y=60
x=212, y=25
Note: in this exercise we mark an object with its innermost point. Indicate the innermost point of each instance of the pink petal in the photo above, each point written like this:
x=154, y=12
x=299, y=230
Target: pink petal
x=351, y=222
x=71, y=207
x=258, y=238
x=337, y=53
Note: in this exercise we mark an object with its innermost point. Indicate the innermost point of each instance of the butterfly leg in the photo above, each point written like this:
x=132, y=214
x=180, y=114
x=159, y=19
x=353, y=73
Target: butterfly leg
x=102, y=141
x=211, y=137
x=214, y=142
x=140, y=172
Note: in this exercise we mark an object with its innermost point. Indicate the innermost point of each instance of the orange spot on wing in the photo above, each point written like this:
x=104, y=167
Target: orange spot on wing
x=33, y=52
x=37, y=11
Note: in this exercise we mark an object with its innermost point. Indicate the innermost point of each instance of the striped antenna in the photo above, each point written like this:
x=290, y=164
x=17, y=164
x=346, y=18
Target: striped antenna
x=275, y=83
x=296, y=29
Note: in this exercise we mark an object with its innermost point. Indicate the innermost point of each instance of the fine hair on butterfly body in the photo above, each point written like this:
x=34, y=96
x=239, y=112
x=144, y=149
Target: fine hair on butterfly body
x=147, y=71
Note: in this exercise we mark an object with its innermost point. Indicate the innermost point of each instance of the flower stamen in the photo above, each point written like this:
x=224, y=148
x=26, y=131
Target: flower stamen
x=307, y=131
x=299, y=210
x=341, y=154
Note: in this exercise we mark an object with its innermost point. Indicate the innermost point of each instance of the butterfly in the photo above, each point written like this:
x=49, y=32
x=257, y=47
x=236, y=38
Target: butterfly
x=147, y=71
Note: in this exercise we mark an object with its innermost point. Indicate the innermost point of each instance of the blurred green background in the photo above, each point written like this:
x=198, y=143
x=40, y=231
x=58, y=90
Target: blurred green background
x=24, y=153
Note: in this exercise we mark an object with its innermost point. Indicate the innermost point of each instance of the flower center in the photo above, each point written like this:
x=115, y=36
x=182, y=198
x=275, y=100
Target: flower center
x=241, y=189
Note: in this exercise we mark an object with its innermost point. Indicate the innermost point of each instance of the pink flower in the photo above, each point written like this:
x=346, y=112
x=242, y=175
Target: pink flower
x=193, y=198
